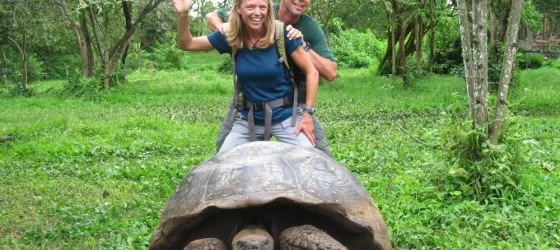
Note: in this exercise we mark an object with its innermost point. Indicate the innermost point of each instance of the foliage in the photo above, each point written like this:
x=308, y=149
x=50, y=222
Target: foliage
x=115, y=159
x=18, y=90
x=166, y=56
x=479, y=170
x=529, y=60
x=357, y=50
x=77, y=85
x=531, y=16
x=555, y=63
x=225, y=67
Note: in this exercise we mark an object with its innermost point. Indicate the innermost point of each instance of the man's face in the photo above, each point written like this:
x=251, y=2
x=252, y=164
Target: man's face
x=296, y=7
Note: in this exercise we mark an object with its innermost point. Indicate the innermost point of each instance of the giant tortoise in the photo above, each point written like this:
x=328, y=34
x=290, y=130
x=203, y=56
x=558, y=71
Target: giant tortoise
x=270, y=195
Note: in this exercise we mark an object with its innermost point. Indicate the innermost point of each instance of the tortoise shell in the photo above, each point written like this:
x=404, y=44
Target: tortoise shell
x=270, y=175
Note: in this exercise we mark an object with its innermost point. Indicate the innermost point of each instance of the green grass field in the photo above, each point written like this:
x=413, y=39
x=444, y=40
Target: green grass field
x=95, y=173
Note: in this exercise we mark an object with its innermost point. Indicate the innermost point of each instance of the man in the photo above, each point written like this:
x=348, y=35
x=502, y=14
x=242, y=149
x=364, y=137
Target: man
x=291, y=12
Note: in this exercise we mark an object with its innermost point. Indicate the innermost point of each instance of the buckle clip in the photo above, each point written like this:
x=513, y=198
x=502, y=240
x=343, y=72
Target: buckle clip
x=258, y=106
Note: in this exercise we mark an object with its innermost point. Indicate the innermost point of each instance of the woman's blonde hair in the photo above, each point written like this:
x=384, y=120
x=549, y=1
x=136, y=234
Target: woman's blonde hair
x=236, y=31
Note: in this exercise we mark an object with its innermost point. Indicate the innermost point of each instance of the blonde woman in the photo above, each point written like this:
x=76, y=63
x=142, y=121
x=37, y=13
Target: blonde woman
x=262, y=79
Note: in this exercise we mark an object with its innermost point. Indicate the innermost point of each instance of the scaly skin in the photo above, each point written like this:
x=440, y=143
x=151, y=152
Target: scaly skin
x=206, y=244
x=308, y=237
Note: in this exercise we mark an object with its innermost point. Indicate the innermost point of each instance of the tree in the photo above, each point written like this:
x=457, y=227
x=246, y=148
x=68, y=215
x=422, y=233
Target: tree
x=83, y=36
x=410, y=21
x=325, y=11
x=507, y=69
x=110, y=44
x=475, y=58
x=19, y=12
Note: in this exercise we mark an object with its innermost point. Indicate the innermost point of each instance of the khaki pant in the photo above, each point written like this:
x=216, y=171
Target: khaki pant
x=227, y=124
x=283, y=131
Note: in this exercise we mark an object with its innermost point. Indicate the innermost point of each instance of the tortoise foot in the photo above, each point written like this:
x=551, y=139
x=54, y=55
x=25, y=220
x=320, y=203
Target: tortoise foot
x=206, y=244
x=308, y=237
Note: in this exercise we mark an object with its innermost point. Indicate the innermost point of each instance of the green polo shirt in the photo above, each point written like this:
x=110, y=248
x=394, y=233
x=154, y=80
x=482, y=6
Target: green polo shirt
x=311, y=30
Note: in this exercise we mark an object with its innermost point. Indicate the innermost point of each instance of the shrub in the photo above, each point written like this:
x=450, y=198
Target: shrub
x=18, y=90
x=448, y=59
x=225, y=66
x=166, y=56
x=529, y=60
x=479, y=170
x=357, y=50
x=555, y=63
x=77, y=85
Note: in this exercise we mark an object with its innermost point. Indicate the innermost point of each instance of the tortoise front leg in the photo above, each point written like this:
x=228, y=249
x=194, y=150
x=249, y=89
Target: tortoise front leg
x=308, y=237
x=206, y=244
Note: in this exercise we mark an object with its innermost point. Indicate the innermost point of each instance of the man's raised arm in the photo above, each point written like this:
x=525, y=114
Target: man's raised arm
x=214, y=20
x=326, y=67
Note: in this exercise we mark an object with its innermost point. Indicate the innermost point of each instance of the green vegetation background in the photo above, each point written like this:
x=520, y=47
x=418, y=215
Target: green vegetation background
x=95, y=172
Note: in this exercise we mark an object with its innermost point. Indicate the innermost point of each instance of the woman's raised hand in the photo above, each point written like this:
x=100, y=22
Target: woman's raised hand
x=182, y=6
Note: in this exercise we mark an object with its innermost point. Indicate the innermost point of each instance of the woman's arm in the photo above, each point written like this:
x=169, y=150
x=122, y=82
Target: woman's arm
x=185, y=40
x=303, y=60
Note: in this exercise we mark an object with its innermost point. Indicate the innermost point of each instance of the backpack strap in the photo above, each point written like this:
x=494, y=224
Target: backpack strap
x=281, y=49
x=236, y=87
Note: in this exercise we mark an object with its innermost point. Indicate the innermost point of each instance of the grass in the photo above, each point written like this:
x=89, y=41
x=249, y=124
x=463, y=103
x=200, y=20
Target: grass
x=96, y=173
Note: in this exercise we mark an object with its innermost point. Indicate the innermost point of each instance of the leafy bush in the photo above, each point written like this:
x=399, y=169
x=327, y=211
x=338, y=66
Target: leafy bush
x=529, y=60
x=34, y=68
x=166, y=55
x=553, y=63
x=480, y=170
x=448, y=59
x=18, y=90
x=225, y=66
x=357, y=50
x=77, y=85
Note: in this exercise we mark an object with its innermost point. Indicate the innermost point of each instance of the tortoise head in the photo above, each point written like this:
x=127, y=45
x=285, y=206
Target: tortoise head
x=253, y=238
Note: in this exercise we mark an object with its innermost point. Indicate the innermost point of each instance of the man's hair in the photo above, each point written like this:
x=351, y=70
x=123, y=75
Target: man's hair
x=236, y=31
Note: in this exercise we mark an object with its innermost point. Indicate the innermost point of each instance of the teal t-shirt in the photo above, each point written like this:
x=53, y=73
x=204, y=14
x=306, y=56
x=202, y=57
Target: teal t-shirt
x=311, y=30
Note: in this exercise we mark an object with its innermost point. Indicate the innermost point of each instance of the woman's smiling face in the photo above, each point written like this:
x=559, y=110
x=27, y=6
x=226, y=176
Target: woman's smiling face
x=253, y=13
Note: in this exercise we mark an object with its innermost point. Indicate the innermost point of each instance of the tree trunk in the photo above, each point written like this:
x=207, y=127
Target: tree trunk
x=507, y=69
x=432, y=50
x=139, y=57
x=118, y=49
x=402, y=51
x=393, y=56
x=86, y=50
x=419, y=35
x=127, y=9
x=109, y=59
x=82, y=35
x=23, y=63
x=4, y=68
x=504, y=20
x=418, y=42
x=493, y=26
x=466, y=42
x=480, y=41
x=432, y=36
